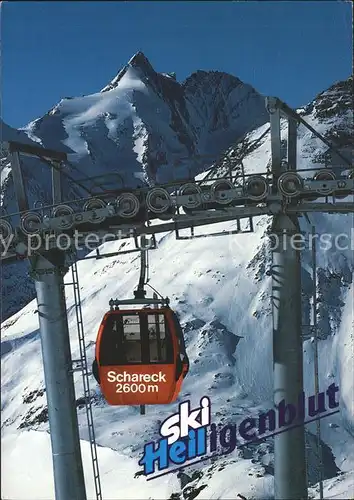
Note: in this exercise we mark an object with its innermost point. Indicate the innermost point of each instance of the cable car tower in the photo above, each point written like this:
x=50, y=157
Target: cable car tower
x=283, y=192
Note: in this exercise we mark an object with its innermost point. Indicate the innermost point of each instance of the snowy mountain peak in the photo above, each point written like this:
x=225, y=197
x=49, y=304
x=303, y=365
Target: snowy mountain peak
x=334, y=107
x=139, y=62
x=143, y=128
x=333, y=102
x=202, y=77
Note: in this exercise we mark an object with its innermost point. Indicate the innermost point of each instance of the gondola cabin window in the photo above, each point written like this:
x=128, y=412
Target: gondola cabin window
x=157, y=338
x=131, y=339
x=136, y=339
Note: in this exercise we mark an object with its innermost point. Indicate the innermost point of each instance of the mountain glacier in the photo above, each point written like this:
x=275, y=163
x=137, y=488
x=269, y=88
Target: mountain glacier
x=146, y=128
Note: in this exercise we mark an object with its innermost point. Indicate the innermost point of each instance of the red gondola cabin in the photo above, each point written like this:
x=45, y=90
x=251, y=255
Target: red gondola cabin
x=140, y=356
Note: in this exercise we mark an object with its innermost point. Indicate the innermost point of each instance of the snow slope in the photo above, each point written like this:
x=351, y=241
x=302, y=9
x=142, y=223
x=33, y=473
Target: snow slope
x=35, y=480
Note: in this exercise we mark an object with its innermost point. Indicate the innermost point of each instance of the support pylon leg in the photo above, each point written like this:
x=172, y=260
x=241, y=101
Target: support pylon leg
x=290, y=480
x=64, y=431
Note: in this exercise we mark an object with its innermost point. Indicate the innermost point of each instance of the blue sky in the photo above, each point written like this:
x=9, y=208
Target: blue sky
x=51, y=50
